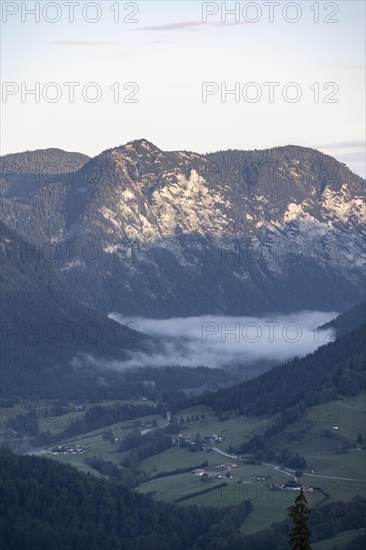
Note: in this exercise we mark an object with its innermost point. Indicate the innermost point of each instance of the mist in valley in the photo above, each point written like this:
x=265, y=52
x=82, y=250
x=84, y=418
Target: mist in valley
x=228, y=342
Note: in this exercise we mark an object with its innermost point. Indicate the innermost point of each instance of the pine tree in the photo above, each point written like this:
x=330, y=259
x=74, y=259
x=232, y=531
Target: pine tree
x=299, y=512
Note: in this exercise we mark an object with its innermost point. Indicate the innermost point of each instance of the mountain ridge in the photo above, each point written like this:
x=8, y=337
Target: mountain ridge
x=242, y=229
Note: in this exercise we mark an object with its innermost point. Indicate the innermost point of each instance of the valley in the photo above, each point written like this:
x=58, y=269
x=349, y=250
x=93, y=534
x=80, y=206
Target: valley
x=188, y=364
x=182, y=275
x=330, y=436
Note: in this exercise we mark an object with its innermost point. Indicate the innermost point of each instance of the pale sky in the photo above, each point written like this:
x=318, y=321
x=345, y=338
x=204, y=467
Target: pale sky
x=169, y=53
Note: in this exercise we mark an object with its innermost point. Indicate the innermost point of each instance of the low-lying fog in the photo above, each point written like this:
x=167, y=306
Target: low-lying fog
x=216, y=341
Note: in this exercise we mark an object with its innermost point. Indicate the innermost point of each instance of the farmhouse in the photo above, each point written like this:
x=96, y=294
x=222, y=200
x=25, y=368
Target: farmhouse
x=260, y=477
x=213, y=472
x=179, y=438
x=198, y=472
x=292, y=484
x=276, y=486
x=215, y=438
x=68, y=450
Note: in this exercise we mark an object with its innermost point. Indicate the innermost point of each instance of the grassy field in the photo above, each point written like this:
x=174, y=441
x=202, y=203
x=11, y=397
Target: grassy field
x=309, y=436
x=240, y=487
x=270, y=506
x=78, y=462
x=347, y=465
x=172, y=487
x=59, y=423
x=233, y=431
x=347, y=415
x=327, y=427
x=55, y=422
x=341, y=541
x=176, y=457
x=95, y=444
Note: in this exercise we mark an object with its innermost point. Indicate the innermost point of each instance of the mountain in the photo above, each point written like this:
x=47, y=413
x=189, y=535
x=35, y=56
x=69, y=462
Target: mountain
x=348, y=321
x=146, y=232
x=50, y=343
x=33, y=179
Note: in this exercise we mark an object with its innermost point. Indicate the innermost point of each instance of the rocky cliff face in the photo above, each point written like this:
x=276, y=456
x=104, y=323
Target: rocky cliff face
x=147, y=232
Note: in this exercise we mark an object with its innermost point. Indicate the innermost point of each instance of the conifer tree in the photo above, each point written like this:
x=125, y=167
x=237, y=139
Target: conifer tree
x=299, y=513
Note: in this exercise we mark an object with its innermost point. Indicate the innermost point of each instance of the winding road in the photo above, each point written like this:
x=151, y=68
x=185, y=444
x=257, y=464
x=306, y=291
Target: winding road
x=289, y=472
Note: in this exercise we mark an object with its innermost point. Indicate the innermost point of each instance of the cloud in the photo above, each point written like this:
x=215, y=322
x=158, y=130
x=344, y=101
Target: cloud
x=189, y=25
x=353, y=67
x=222, y=342
x=82, y=43
x=355, y=144
x=178, y=25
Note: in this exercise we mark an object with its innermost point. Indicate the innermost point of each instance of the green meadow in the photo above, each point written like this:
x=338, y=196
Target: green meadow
x=319, y=437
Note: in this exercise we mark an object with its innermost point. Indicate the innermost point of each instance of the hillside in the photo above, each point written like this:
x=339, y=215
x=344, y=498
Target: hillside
x=47, y=335
x=41, y=512
x=349, y=320
x=50, y=505
x=338, y=367
x=32, y=181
